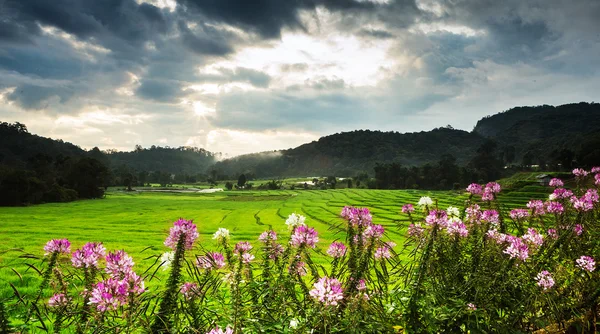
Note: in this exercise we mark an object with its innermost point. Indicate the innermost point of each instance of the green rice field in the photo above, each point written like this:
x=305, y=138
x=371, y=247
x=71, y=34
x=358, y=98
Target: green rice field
x=139, y=222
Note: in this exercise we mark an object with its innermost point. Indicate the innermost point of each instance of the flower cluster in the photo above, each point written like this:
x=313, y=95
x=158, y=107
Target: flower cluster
x=457, y=228
x=475, y=189
x=57, y=246
x=544, y=279
x=211, y=261
x=517, y=248
x=518, y=214
x=189, y=290
x=304, y=236
x=490, y=191
x=579, y=172
x=182, y=228
x=425, y=202
x=218, y=330
x=88, y=255
x=373, y=231
x=554, y=207
x=491, y=216
x=560, y=193
x=533, y=237
x=415, y=230
x=242, y=247
x=336, y=249
x=556, y=183
x=408, y=208
x=119, y=264
x=586, y=263
x=327, y=291
x=437, y=218
x=222, y=235
x=294, y=221
x=357, y=216
x=382, y=253
x=58, y=300
x=112, y=293
x=267, y=236
x=537, y=207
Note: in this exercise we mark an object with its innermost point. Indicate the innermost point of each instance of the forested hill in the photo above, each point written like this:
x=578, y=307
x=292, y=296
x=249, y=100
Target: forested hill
x=180, y=160
x=543, y=134
x=345, y=154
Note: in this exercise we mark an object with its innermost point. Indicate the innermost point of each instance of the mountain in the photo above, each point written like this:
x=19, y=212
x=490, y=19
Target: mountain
x=345, y=154
x=180, y=160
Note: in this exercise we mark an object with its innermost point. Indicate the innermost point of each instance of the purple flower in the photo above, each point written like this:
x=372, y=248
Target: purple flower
x=471, y=307
x=357, y=216
x=492, y=187
x=536, y=206
x=554, y=207
x=473, y=214
x=580, y=172
x=437, y=218
x=591, y=195
x=180, y=228
x=595, y=170
x=457, y=228
x=276, y=251
x=58, y=246
x=533, y=237
x=119, y=264
x=475, y=189
x=190, y=290
x=497, y=236
x=304, y=236
x=517, y=249
x=336, y=249
x=299, y=268
x=561, y=193
x=586, y=263
x=582, y=204
x=544, y=279
x=328, y=291
x=408, y=208
x=487, y=196
x=518, y=214
x=382, y=253
x=491, y=216
x=211, y=261
x=556, y=183
x=58, y=300
x=218, y=330
x=247, y=258
x=597, y=178
x=88, y=255
x=373, y=231
x=109, y=294
x=267, y=236
x=552, y=233
x=578, y=229
x=415, y=230
x=242, y=247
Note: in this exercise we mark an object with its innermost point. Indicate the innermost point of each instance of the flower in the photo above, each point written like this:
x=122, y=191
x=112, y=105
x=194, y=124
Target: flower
x=491, y=216
x=218, y=330
x=552, y=233
x=453, y=211
x=221, y=235
x=536, y=206
x=533, y=237
x=425, y=202
x=336, y=249
x=415, y=230
x=556, y=183
x=88, y=255
x=471, y=307
x=294, y=221
x=304, y=236
x=293, y=323
x=242, y=247
x=57, y=246
x=582, y=204
x=189, y=290
x=298, y=268
x=212, y=260
x=457, y=228
x=475, y=189
x=561, y=193
x=597, y=178
x=182, y=228
x=119, y=264
x=586, y=263
x=472, y=214
x=518, y=214
x=112, y=293
x=492, y=187
x=58, y=300
x=437, y=218
x=267, y=236
x=578, y=229
x=544, y=280
x=382, y=253
x=517, y=249
x=408, y=208
x=166, y=260
x=357, y=216
x=591, y=195
x=495, y=235
x=373, y=231
x=580, y=172
x=276, y=251
x=327, y=291
x=595, y=170
x=247, y=258
x=554, y=207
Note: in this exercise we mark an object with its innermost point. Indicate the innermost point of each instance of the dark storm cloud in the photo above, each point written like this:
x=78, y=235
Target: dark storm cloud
x=37, y=97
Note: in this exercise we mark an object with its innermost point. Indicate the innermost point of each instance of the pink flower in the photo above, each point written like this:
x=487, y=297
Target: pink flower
x=408, y=208
x=552, y=233
x=491, y=216
x=327, y=291
x=415, y=230
x=475, y=189
x=336, y=249
x=597, y=178
x=362, y=285
x=218, y=330
x=247, y=258
x=473, y=214
x=298, y=269
x=556, y=183
x=58, y=300
x=57, y=246
x=304, y=236
x=242, y=247
x=582, y=204
x=578, y=229
x=182, y=228
x=517, y=249
x=518, y=214
x=591, y=195
x=119, y=264
x=595, y=170
x=536, y=206
x=544, y=279
x=554, y=207
x=561, y=193
x=497, y=236
x=487, y=196
x=190, y=290
x=437, y=218
x=533, y=237
x=267, y=236
x=492, y=187
x=88, y=255
x=471, y=307
x=276, y=251
x=382, y=253
x=457, y=228
x=357, y=216
x=109, y=294
x=586, y=263
x=373, y=231
x=580, y=172
x=211, y=261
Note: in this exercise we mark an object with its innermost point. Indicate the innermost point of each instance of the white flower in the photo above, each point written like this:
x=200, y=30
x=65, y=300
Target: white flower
x=222, y=234
x=293, y=324
x=552, y=197
x=453, y=211
x=166, y=260
x=425, y=201
x=295, y=220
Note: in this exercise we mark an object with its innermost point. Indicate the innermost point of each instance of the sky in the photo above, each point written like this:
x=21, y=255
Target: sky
x=241, y=76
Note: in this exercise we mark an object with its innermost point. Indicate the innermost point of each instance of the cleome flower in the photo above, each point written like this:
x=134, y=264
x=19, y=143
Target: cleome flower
x=57, y=246
x=518, y=214
x=242, y=247
x=517, y=248
x=457, y=228
x=452, y=211
x=556, y=183
x=58, y=300
x=166, y=260
x=533, y=237
x=475, y=189
x=382, y=253
x=267, y=236
x=408, y=208
x=327, y=291
x=544, y=279
x=189, y=290
x=112, y=293
x=336, y=249
x=180, y=228
x=304, y=236
x=586, y=263
x=221, y=235
x=357, y=216
x=211, y=261
x=425, y=202
x=579, y=172
x=218, y=330
x=537, y=207
x=294, y=221
x=88, y=255
x=415, y=230
x=119, y=264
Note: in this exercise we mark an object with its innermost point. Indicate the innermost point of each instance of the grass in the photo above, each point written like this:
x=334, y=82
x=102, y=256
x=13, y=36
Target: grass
x=139, y=222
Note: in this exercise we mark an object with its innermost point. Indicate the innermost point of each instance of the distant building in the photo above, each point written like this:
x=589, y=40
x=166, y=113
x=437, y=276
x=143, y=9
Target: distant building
x=543, y=179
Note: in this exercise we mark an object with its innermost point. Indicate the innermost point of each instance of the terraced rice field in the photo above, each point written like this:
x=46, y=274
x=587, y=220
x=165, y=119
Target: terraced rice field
x=139, y=222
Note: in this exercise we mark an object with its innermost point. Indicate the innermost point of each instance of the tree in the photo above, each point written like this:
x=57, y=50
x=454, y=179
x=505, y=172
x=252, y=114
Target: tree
x=241, y=181
x=228, y=185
